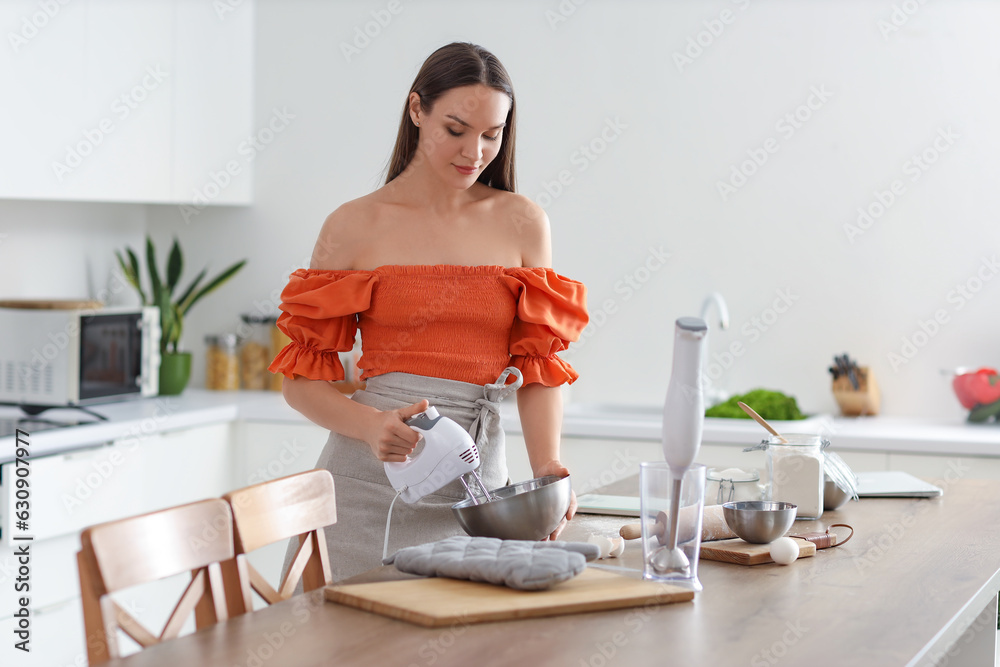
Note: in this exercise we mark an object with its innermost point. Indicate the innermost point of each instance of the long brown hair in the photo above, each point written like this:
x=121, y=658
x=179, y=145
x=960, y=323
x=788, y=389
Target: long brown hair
x=452, y=66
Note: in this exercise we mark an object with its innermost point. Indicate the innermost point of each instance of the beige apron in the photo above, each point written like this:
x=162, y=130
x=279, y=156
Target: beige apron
x=363, y=492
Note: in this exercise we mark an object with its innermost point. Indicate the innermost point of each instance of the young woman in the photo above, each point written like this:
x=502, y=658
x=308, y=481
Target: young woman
x=443, y=269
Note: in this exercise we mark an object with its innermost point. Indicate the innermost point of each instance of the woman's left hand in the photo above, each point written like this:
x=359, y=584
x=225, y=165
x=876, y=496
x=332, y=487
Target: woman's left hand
x=558, y=469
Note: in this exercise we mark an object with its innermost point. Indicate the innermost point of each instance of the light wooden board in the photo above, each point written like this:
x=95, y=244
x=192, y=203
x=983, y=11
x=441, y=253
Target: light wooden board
x=435, y=601
x=51, y=304
x=743, y=553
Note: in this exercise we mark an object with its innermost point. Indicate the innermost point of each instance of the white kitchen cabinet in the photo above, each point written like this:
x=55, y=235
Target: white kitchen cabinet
x=213, y=104
x=130, y=476
x=72, y=491
x=57, y=638
x=941, y=470
x=267, y=451
x=126, y=101
x=53, y=574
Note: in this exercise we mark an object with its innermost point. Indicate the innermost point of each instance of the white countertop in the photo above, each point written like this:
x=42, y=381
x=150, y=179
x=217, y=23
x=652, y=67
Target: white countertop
x=129, y=419
x=887, y=434
x=197, y=407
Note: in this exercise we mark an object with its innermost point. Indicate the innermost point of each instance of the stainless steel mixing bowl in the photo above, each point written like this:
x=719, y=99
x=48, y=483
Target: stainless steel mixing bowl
x=526, y=511
x=759, y=521
x=834, y=497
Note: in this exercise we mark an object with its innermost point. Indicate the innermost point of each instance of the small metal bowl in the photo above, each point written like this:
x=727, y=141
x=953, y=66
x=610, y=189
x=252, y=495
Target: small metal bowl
x=834, y=497
x=759, y=521
x=526, y=511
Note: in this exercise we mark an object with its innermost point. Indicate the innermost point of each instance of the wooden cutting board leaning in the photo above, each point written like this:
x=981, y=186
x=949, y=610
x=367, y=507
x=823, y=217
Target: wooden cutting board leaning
x=51, y=304
x=436, y=601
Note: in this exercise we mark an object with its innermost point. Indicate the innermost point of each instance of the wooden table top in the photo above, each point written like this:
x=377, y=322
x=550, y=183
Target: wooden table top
x=914, y=577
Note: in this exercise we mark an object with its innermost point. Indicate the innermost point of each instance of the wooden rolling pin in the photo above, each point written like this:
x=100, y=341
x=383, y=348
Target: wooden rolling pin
x=713, y=526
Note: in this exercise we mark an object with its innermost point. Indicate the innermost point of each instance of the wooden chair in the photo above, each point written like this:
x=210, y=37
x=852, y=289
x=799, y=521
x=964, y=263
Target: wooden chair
x=120, y=554
x=298, y=505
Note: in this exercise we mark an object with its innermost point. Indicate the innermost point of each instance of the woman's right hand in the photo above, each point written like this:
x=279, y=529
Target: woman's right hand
x=388, y=435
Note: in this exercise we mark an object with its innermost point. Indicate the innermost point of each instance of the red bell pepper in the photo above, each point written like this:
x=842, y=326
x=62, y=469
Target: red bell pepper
x=977, y=388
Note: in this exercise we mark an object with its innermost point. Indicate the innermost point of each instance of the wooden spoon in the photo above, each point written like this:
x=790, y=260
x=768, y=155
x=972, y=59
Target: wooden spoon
x=760, y=420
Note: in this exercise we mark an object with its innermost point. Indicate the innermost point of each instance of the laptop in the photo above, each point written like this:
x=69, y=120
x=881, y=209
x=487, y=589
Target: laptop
x=596, y=503
x=894, y=484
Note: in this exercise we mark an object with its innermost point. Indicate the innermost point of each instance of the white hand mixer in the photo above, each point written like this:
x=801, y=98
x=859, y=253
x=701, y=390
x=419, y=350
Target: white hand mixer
x=445, y=452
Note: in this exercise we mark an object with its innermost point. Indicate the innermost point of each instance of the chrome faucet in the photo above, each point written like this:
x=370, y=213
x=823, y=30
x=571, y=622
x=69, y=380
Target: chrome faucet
x=713, y=395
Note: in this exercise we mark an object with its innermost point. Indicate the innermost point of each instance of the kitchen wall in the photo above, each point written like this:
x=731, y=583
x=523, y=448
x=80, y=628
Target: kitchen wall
x=828, y=167
x=65, y=250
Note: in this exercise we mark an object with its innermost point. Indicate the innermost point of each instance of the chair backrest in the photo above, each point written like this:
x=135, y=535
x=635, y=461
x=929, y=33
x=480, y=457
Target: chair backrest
x=295, y=506
x=119, y=554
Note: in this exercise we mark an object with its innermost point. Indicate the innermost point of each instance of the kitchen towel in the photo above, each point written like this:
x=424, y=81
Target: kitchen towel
x=520, y=564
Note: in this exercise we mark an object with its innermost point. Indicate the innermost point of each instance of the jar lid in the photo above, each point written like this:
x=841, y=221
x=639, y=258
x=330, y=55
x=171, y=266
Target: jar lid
x=222, y=340
x=797, y=440
x=735, y=475
x=792, y=440
x=258, y=318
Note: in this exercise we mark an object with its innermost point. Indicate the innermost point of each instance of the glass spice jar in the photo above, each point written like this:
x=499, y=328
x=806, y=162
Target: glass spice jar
x=222, y=366
x=795, y=471
x=255, y=351
x=731, y=484
x=278, y=342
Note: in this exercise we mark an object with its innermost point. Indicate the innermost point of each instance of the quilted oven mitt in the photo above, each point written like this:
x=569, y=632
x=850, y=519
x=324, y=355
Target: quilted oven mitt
x=520, y=564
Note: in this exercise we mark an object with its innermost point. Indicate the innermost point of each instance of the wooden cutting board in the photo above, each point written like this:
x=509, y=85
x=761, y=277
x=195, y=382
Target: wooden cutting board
x=437, y=601
x=743, y=553
x=51, y=304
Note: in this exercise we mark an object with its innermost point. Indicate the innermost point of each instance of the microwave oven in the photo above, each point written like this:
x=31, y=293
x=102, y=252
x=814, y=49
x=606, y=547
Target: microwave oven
x=53, y=358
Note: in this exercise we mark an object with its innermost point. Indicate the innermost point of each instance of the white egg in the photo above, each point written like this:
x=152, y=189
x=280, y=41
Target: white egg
x=618, y=547
x=603, y=542
x=784, y=550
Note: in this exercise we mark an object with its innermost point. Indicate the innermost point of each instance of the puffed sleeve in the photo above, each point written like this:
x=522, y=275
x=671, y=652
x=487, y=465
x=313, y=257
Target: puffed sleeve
x=551, y=313
x=319, y=312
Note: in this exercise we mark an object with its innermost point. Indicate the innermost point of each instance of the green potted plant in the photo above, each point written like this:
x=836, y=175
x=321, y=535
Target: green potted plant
x=175, y=366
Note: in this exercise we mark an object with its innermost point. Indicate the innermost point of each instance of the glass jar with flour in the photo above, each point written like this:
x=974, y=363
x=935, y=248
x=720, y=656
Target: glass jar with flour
x=795, y=471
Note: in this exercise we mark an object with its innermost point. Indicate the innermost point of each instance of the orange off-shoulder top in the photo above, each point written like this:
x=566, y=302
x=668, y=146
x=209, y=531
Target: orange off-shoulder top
x=463, y=323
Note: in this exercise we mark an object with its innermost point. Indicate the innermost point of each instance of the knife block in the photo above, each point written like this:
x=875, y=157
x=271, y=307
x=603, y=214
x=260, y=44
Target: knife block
x=864, y=400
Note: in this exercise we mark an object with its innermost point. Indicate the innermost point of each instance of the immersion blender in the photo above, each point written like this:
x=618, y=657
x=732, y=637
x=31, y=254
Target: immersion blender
x=683, y=419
